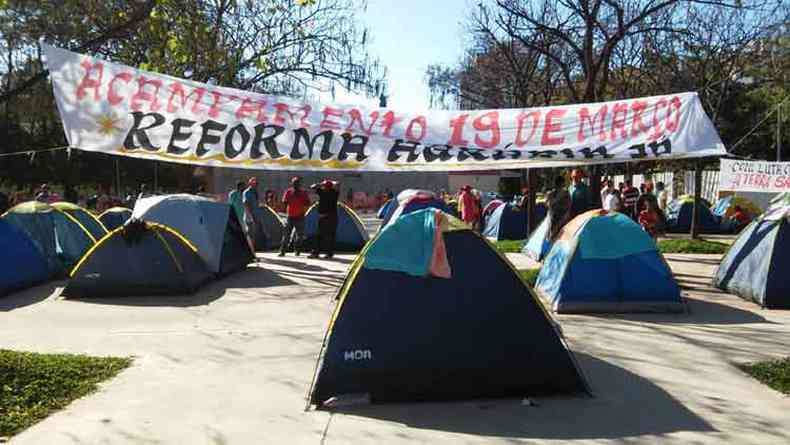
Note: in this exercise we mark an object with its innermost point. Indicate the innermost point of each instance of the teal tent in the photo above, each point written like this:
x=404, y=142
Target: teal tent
x=604, y=262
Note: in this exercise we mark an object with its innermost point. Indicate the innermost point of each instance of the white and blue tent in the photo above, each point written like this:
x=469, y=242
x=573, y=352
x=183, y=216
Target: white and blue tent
x=210, y=225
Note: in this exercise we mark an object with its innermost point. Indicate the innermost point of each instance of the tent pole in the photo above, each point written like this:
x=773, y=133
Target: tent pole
x=531, y=180
x=117, y=178
x=697, y=199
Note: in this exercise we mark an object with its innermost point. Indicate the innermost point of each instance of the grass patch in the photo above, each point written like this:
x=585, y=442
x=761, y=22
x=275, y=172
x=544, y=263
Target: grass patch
x=530, y=276
x=32, y=386
x=691, y=246
x=774, y=373
x=510, y=246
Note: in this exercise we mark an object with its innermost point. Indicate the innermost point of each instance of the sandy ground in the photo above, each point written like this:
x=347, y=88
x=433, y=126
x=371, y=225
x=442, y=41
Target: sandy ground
x=233, y=363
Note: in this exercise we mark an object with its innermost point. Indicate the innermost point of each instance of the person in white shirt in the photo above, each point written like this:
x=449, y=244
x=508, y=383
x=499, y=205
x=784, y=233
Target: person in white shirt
x=612, y=201
x=663, y=196
x=607, y=186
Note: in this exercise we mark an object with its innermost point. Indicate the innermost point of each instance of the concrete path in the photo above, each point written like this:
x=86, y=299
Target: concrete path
x=232, y=365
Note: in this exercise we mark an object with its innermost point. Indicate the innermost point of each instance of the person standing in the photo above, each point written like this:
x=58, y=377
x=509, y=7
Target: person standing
x=580, y=194
x=649, y=218
x=296, y=202
x=630, y=196
x=663, y=196
x=235, y=201
x=103, y=200
x=467, y=206
x=5, y=202
x=559, y=202
x=43, y=194
x=606, y=190
x=327, y=218
x=612, y=201
x=249, y=199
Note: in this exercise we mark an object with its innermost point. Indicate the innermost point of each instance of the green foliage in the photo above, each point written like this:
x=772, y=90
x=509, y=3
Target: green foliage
x=530, y=276
x=774, y=373
x=32, y=386
x=509, y=246
x=691, y=246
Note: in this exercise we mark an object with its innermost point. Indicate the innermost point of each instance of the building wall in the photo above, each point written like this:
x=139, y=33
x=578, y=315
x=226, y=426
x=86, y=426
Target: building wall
x=368, y=182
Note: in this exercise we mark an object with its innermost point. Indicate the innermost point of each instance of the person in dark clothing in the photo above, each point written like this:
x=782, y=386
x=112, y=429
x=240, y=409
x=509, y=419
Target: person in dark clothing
x=70, y=195
x=328, y=196
x=559, y=202
x=5, y=203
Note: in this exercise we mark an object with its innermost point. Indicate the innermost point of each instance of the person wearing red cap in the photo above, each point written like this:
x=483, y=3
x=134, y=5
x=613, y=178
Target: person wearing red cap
x=250, y=200
x=327, y=217
x=296, y=203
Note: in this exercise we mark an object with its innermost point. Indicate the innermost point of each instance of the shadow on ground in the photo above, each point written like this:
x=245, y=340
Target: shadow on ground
x=250, y=278
x=624, y=405
x=697, y=312
x=29, y=296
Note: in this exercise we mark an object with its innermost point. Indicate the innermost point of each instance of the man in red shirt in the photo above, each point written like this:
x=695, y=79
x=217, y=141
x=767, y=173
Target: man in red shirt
x=296, y=201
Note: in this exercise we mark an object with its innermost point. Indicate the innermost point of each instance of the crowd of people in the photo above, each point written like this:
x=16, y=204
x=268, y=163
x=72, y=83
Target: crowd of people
x=295, y=202
x=644, y=205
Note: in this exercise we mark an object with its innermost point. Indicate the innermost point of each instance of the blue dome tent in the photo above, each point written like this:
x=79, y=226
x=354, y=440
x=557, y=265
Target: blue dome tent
x=350, y=235
x=23, y=265
x=754, y=267
x=60, y=238
x=115, y=217
x=680, y=211
x=604, y=262
x=509, y=222
x=538, y=244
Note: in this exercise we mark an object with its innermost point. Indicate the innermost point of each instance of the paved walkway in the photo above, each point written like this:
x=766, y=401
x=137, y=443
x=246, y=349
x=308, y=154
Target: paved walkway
x=232, y=365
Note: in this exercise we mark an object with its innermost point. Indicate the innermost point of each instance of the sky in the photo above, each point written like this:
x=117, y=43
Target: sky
x=407, y=36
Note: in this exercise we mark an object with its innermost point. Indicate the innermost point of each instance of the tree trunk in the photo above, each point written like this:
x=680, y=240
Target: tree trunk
x=697, y=200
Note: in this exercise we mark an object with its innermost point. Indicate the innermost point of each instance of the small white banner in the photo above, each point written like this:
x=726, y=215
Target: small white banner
x=120, y=110
x=754, y=176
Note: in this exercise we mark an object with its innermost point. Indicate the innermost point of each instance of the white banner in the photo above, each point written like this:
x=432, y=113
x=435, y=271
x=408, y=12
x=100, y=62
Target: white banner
x=116, y=109
x=754, y=176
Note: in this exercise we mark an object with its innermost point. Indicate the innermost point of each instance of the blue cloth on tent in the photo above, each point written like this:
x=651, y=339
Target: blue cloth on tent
x=405, y=247
x=613, y=236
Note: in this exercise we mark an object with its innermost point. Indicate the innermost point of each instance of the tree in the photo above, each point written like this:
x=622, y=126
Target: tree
x=271, y=46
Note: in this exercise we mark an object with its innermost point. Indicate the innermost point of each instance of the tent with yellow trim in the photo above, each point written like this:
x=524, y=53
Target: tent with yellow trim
x=60, y=238
x=115, y=217
x=350, y=235
x=139, y=258
x=403, y=332
x=86, y=218
x=210, y=225
x=270, y=230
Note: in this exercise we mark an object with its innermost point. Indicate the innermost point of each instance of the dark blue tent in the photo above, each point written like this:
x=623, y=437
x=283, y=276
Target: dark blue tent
x=22, y=263
x=350, y=235
x=400, y=337
x=680, y=211
x=509, y=222
x=754, y=268
x=139, y=258
x=604, y=262
x=115, y=217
